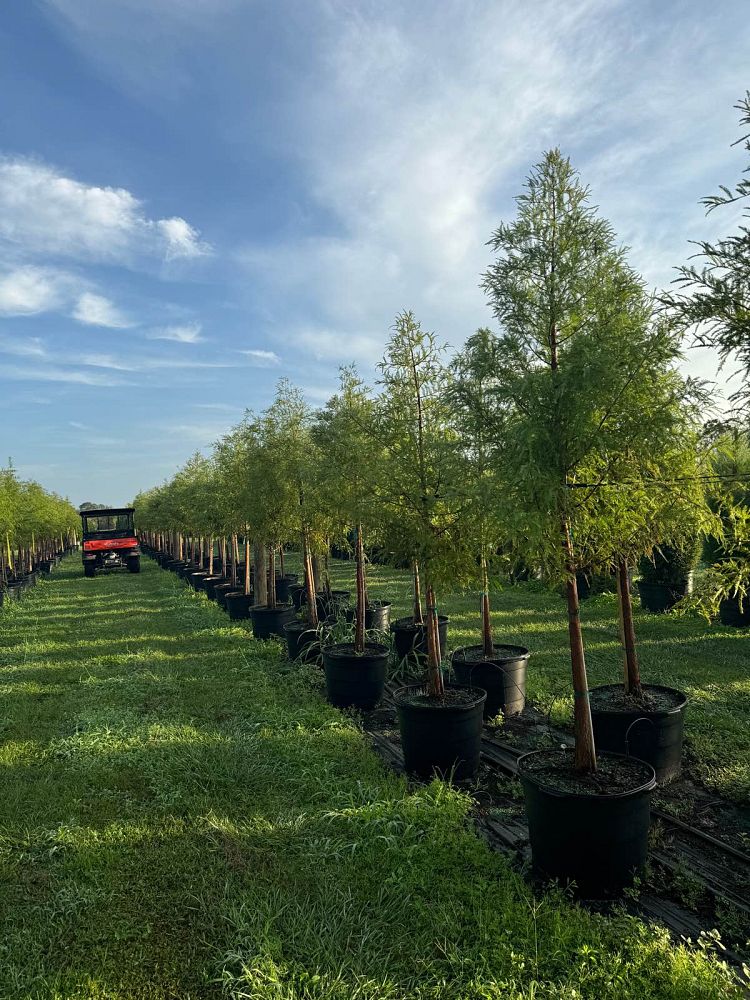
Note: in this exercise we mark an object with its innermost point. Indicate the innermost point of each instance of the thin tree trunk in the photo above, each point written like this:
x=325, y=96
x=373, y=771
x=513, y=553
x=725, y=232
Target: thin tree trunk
x=487, y=643
x=417, y=613
x=224, y=556
x=627, y=631
x=281, y=560
x=585, y=752
x=271, y=576
x=211, y=556
x=259, y=573
x=359, y=630
x=316, y=571
x=434, y=674
x=312, y=603
x=247, y=563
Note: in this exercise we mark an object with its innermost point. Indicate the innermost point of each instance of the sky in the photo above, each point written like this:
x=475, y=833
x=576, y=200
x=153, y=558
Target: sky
x=199, y=197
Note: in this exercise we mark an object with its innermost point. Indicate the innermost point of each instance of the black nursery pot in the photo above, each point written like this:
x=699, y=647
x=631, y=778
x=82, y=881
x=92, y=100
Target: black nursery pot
x=503, y=676
x=301, y=641
x=730, y=613
x=237, y=604
x=653, y=735
x=210, y=584
x=377, y=616
x=355, y=680
x=220, y=592
x=196, y=579
x=658, y=597
x=296, y=594
x=411, y=640
x=283, y=583
x=597, y=840
x=438, y=736
x=269, y=622
x=185, y=570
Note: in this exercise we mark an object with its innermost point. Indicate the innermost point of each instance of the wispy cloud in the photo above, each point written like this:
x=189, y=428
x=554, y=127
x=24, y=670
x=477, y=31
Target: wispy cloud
x=22, y=347
x=262, y=359
x=96, y=310
x=187, y=333
x=49, y=373
x=42, y=211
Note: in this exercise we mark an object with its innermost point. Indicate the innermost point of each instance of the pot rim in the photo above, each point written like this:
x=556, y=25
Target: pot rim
x=302, y=626
x=558, y=793
x=479, y=697
x=523, y=654
x=274, y=611
x=373, y=651
x=642, y=712
x=406, y=623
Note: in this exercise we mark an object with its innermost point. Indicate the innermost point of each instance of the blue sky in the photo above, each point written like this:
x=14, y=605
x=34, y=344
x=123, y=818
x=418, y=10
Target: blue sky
x=198, y=197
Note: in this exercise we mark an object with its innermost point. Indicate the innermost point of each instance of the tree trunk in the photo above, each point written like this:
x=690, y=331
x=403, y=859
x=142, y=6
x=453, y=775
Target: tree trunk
x=487, y=643
x=259, y=573
x=235, y=558
x=281, y=560
x=585, y=752
x=312, y=603
x=417, y=613
x=316, y=571
x=627, y=632
x=434, y=674
x=359, y=630
x=271, y=597
x=224, y=556
x=247, y=564
x=211, y=556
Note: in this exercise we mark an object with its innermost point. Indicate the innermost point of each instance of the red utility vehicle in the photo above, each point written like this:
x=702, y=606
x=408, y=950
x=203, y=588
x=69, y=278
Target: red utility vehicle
x=109, y=540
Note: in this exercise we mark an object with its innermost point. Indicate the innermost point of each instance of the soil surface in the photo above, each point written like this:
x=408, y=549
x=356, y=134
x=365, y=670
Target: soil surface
x=654, y=699
x=475, y=654
x=451, y=698
x=348, y=649
x=613, y=775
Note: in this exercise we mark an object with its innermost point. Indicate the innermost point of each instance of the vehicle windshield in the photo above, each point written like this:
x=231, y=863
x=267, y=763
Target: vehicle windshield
x=112, y=522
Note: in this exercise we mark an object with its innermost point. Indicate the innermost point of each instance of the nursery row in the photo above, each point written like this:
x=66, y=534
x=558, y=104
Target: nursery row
x=36, y=527
x=567, y=444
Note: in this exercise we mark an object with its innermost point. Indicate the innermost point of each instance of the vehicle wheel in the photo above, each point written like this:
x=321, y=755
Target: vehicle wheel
x=89, y=569
x=134, y=564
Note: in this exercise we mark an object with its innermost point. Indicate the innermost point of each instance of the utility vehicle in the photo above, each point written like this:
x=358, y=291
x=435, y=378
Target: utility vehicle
x=109, y=540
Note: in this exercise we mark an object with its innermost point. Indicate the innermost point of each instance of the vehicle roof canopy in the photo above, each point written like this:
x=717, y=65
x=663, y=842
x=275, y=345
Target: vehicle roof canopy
x=106, y=511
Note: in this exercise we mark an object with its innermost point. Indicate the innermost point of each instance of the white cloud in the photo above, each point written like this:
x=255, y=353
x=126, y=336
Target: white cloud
x=44, y=212
x=188, y=333
x=77, y=425
x=106, y=361
x=262, y=359
x=25, y=291
x=45, y=373
x=96, y=310
x=23, y=347
x=337, y=345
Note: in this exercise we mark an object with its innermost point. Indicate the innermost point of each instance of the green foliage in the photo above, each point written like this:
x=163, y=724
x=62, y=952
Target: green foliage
x=670, y=565
x=418, y=487
x=29, y=514
x=715, y=296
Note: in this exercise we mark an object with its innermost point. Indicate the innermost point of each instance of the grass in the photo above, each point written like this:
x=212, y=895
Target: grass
x=708, y=662
x=184, y=817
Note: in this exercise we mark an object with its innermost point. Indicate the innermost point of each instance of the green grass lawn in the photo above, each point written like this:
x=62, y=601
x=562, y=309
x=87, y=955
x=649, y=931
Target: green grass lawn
x=183, y=816
x=709, y=662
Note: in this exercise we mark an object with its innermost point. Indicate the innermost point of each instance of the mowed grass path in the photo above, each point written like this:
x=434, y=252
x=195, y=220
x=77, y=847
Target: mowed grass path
x=182, y=816
x=711, y=663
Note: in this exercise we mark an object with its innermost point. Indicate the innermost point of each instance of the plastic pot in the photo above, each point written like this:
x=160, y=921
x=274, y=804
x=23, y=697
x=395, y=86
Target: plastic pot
x=651, y=735
x=210, y=584
x=283, y=583
x=503, y=676
x=196, y=579
x=185, y=570
x=301, y=641
x=411, y=640
x=377, y=616
x=269, y=622
x=730, y=613
x=221, y=590
x=238, y=604
x=355, y=680
x=658, y=597
x=440, y=737
x=296, y=590
x=599, y=841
